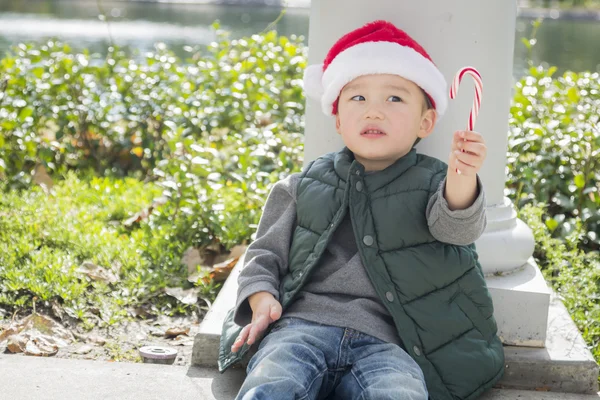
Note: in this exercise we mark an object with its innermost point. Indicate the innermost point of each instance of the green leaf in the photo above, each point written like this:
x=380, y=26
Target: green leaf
x=579, y=181
x=38, y=72
x=25, y=113
x=573, y=95
x=551, y=224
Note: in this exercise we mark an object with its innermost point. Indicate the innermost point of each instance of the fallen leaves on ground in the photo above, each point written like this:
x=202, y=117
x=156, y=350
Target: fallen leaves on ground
x=215, y=267
x=41, y=177
x=36, y=335
x=145, y=213
x=176, y=331
x=189, y=296
x=97, y=273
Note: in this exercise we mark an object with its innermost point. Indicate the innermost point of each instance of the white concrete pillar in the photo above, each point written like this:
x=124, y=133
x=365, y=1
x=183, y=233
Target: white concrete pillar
x=456, y=34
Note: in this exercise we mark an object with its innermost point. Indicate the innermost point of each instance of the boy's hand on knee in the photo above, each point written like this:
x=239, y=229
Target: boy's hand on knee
x=265, y=310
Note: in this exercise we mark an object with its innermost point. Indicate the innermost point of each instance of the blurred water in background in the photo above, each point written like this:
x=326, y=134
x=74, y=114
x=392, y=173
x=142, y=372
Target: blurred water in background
x=568, y=43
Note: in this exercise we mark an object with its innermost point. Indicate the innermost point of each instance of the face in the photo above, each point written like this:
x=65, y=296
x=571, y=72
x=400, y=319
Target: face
x=380, y=117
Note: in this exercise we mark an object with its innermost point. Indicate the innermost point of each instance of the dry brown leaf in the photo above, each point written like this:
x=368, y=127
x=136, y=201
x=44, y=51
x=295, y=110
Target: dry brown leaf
x=221, y=271
x=174, y=332
x=36, y=335
x=191, y=259
x=17, y=343
x=41, y=346
x=238, y=251
x=41, y=177
x=138, y=217
x=97, y=273
x=189, y=296
x=39, y=323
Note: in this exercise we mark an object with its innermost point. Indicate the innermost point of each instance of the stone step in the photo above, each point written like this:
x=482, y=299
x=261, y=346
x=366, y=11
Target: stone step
x=33, y=378
x=564, y=365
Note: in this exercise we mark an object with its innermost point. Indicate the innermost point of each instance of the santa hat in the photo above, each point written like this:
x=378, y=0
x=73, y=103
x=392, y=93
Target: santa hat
x=375, y=48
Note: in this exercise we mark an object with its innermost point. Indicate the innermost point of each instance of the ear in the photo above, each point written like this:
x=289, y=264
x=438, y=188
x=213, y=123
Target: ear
x=338, y=123
x=428, y=121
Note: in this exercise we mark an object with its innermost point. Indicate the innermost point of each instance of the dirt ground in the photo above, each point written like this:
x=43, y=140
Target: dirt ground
x=121, y=343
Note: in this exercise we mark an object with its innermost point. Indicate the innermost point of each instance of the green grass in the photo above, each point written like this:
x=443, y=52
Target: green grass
x=45, y=238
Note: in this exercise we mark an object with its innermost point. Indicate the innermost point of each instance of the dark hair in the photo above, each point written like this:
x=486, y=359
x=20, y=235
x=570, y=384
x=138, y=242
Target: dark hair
x=428, y=106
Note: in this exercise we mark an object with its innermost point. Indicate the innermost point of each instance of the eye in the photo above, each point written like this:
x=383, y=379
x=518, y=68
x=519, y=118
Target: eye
x=394, y=98
x=362, y=98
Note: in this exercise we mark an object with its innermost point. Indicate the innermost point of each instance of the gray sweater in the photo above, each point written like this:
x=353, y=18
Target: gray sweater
x=339, y=291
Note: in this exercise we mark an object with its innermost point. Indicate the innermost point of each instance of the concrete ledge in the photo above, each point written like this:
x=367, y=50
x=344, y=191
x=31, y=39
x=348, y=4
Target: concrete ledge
x=564, y=365
x=206, y=342
x=33, y=378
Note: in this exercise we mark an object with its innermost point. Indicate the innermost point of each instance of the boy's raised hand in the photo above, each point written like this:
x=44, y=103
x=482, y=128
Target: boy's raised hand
x=470, y=161
x=265, y=310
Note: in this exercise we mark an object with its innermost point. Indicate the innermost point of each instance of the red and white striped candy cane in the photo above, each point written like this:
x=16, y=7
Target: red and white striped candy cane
x=478, y=91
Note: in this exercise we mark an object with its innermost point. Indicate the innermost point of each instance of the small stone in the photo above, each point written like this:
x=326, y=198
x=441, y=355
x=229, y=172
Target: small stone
x=154, y=331
x=83, y=349
x=99, y=340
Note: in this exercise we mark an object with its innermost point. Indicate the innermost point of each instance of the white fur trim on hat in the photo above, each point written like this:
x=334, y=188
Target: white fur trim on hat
x=313, y=76
x=381, y=58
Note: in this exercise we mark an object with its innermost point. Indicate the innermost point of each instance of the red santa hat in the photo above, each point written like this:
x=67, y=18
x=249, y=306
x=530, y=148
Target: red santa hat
x=375, y=48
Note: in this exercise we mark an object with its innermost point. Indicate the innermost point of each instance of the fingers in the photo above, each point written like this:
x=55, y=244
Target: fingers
x=470, y=136
x=474, y=148
x=462, y=167
x=468, y=152
x=257, y=329
x=252, y=332
x=275, y=312
x=468, y=159
x=239, y=342
x=463, y=140
x=248, y=335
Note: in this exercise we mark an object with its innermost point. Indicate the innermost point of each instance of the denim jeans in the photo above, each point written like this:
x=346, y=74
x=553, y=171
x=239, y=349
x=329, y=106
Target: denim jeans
x=300, y=359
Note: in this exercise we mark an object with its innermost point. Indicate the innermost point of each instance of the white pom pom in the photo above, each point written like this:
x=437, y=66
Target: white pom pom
x=313, y=86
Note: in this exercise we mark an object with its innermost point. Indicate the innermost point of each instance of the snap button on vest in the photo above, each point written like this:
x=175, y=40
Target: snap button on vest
x=357, y=172
x=368, y=240
x=389, y=296
x=359, y=186
x=417, y=350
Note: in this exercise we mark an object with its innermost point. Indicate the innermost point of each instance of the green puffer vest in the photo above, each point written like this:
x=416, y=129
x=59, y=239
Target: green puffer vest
x=435, y=292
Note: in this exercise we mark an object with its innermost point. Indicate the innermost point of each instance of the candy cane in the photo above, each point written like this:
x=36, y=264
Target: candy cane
x=476, y=100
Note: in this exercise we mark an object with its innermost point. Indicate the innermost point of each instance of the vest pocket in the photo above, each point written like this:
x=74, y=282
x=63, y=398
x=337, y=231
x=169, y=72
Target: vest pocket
x=482, y=324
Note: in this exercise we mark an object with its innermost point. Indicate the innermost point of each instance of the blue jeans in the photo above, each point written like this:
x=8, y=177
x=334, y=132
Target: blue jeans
x=300, y=359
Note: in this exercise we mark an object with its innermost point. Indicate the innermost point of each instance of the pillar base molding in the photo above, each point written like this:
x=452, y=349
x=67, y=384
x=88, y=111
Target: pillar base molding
x=521, y=300
x=507, y=243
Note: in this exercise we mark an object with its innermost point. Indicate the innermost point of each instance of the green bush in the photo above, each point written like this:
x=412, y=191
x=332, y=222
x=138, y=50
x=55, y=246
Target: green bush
x=554, y=150
x=573, y=274
x=121, y=114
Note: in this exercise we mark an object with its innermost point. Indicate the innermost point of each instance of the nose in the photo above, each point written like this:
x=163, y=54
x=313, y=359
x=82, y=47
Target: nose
x=373, y=111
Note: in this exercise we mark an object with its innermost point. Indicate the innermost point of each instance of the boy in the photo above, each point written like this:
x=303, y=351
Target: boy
x=363, y=273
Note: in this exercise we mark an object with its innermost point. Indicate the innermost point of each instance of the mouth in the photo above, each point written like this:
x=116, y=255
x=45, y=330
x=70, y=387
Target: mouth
x=372, y=132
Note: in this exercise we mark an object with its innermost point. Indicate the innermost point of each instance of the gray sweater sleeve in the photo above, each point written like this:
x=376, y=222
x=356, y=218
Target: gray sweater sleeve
x=266, y=260
x=460, y=227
